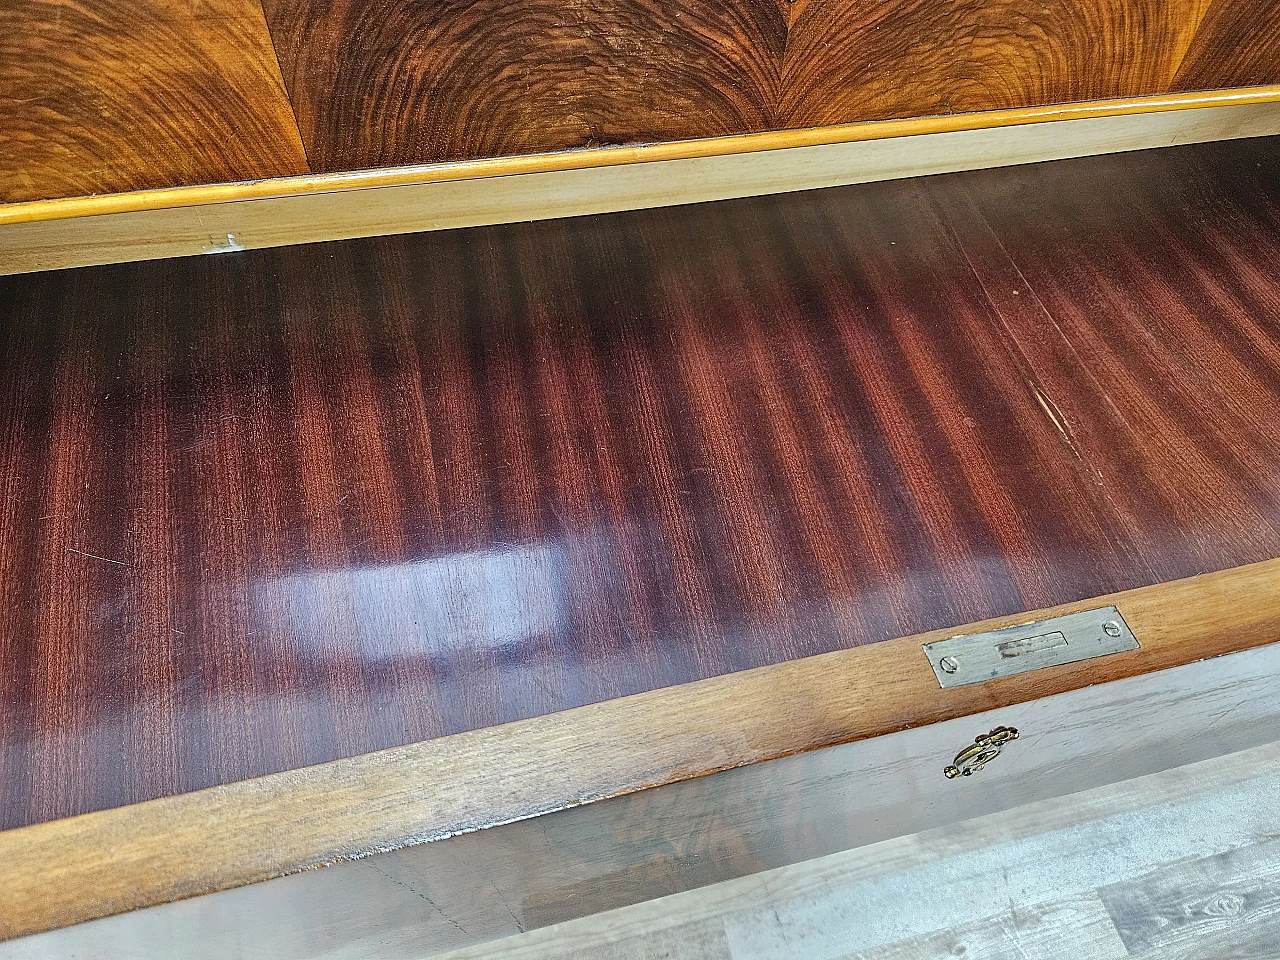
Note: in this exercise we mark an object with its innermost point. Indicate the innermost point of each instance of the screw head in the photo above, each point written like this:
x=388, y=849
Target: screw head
x=949, y=664
x=1111, y=628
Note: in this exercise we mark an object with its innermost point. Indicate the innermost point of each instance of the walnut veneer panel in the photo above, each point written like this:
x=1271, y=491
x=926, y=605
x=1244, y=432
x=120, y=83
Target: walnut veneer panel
x=851, y=60
x=268, y=509
x=397, y=81
x=104, y=97
x=380, y=82
x=1235, y=44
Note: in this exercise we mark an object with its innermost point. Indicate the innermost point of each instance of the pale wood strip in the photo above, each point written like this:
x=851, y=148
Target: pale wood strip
x=271, y=213
x=1076, y=927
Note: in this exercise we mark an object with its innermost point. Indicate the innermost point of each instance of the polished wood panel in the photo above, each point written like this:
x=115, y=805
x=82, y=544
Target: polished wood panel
x=399, y=82
x=393, y=82
x=1235, y=44
x=846, y=59
x=104, y=99
x=1214, y=328
x=185, y=221
x=269, y=509
x=691, y=830
x=110, y=96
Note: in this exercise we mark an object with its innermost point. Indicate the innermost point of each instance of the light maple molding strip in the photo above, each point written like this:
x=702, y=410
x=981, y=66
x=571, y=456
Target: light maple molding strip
x=220, y=218
x=62, y=872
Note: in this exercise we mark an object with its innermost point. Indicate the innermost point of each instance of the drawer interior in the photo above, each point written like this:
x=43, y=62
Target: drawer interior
x=284, y=507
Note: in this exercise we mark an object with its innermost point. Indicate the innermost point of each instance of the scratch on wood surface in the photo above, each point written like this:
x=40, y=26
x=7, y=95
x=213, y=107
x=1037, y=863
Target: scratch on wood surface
x=96, y=557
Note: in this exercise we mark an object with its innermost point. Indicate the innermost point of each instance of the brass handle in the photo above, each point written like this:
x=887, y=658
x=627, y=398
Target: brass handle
x=981, y=752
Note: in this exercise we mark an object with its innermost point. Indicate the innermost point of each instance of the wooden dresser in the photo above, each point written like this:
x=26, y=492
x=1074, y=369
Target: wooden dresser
x=494, y=533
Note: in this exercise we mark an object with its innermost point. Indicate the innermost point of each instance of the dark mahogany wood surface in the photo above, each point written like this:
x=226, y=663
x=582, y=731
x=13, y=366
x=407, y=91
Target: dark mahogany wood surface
x=379, y=82
x=267, y=509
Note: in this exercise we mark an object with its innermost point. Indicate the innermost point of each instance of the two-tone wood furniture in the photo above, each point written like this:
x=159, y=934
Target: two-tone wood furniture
x=385, y=596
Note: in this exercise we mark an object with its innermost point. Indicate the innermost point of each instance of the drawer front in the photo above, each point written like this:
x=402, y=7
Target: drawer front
x=469, y=889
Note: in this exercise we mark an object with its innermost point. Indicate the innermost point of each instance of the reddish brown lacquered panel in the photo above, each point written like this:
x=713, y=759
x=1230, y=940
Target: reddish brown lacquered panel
x=268, y=509
x=1176, y=414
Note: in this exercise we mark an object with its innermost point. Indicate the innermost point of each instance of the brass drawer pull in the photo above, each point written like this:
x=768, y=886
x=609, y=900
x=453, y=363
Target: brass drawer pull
x=981, y=752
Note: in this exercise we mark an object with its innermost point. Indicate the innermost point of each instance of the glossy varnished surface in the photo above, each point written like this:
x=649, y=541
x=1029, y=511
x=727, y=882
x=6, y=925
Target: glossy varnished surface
x=395, y=81
x=268, y=509
x=110, y=97
x=1233, y=44
x=104, y=96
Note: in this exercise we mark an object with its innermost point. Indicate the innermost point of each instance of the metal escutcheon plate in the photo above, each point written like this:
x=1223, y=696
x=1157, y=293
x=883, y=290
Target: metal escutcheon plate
x=978, y=657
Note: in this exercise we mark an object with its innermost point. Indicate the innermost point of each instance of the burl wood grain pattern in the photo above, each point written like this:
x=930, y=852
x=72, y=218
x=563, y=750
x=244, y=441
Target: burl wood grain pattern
x=112, y=97
x=104, y=97
x=269, y=509
x=395, y=81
